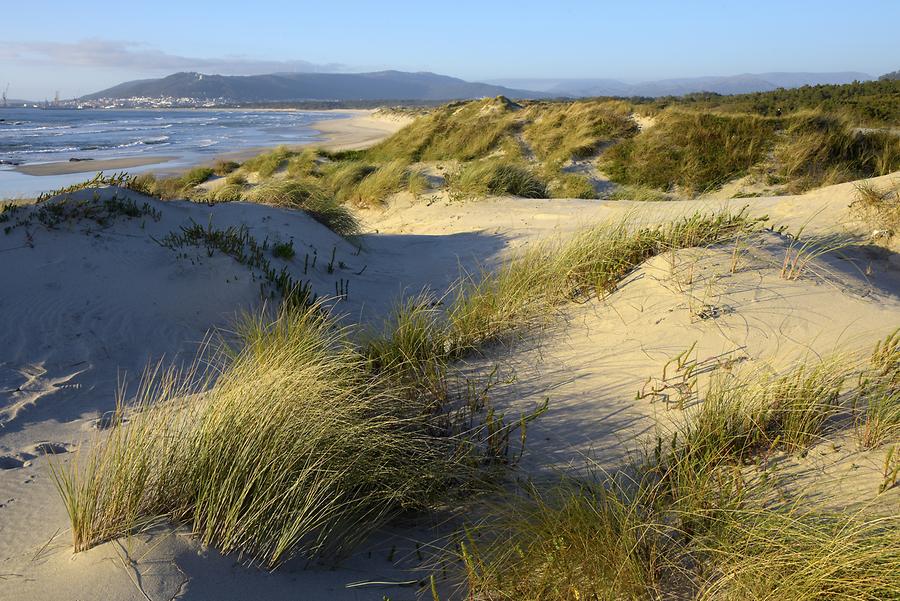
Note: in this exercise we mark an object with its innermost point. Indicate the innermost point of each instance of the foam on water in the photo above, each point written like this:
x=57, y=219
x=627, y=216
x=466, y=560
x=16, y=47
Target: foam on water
x=43, y=136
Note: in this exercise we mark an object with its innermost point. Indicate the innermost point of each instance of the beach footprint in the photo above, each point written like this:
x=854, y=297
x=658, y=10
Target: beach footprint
x=8, y=462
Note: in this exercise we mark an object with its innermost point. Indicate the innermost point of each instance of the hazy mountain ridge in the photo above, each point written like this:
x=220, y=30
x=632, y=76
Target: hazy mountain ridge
x=382, y=85
x=732, y=84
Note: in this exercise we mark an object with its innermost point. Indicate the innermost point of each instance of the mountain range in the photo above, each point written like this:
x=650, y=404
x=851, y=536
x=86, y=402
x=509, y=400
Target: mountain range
x=424, y=86
x=732, y=84
x=283, y=87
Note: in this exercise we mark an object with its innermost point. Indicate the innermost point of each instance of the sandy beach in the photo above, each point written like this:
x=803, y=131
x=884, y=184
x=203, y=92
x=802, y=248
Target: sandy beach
x=90, y=166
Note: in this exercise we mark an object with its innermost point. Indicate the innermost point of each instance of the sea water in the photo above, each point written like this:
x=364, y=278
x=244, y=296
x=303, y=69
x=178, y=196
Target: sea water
x=29, y=136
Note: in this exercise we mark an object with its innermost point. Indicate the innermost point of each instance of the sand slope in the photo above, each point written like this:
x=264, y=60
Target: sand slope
x=83, y=304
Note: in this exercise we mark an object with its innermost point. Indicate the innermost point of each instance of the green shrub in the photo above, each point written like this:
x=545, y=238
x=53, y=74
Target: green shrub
x=497, y=178
x=223, y=168
x=823, y=149
x=696, y=152
x=309, y=197
x=557, y=132
x=570, y=185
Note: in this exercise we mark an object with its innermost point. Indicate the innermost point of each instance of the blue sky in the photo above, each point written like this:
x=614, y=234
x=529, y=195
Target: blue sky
x=81, y=46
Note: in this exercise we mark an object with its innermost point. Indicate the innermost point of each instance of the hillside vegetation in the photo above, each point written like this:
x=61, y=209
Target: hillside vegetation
x=786, y=141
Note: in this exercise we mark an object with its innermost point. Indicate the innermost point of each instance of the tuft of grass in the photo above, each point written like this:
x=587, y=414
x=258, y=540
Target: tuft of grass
x=267, y=163
x=308, y=196
x=283, y=250
x=879, y=395
x=459, y=130
x=296, y=447
x=527, y=288
x=696, y=152
x=822, y=149
x=878, y=209
x=690, y=520
x=223, y=168
x=797, y=555
x=497, y=178
x=303, y=164
x=577, y=540
x=638, y=193
x=571, y=185
x=344, y=177
x=557, y=132
x=385, y=180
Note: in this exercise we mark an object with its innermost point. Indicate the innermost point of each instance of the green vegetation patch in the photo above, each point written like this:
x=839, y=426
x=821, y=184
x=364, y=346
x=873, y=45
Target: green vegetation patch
x=694, y=151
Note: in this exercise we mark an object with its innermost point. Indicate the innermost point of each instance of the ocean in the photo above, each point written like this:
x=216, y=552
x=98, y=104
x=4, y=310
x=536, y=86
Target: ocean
x=29, y=136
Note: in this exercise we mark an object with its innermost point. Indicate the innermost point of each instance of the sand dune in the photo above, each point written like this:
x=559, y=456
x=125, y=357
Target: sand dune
x=86, y=305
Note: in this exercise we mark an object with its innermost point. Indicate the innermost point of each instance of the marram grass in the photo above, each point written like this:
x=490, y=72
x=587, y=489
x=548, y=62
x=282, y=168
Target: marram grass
x=295, y=448
x=296, y=441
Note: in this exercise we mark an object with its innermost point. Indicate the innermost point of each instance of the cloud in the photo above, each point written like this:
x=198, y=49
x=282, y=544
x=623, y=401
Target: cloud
x=115, y=54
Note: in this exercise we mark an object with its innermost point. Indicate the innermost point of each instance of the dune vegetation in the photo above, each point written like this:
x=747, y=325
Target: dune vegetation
x=789, y=141
x=302, y=435
x=691, y=519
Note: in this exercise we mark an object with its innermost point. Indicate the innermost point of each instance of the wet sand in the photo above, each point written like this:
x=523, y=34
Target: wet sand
x=67, y=167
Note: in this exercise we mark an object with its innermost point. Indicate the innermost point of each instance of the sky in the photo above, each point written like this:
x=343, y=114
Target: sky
x=82, y=46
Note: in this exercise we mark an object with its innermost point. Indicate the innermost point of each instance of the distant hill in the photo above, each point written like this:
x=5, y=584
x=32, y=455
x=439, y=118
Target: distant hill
x=733, y=84
x=890, y=76
x=281, y=87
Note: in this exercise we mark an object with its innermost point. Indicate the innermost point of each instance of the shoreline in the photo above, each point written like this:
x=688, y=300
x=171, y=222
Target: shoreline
x=361, y=129
x=87, y=166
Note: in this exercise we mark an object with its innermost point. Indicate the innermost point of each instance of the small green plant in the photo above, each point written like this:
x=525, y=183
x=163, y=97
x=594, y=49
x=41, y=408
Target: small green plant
x=283, y=250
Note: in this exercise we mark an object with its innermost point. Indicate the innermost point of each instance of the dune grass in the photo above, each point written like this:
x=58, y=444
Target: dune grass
x=307, y=195
x=696, y=152
x=557, y=132
x=296, y=440
x=296, y=447
x=878, y=208
x=822, y=149
x=571, y=185
x=223, y=168
x=267, y=163
x=388, y=178
x=492, y=177
x=692, y=520
x=524, y=292
x=460, y=130
x=878, y=397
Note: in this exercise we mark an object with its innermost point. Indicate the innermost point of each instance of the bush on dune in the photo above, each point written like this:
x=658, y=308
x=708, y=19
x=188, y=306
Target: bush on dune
x=460, y=130
x=308, y=196
x=497, y=178
x=822, y=149
x=697, y=152
x=558, y=132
